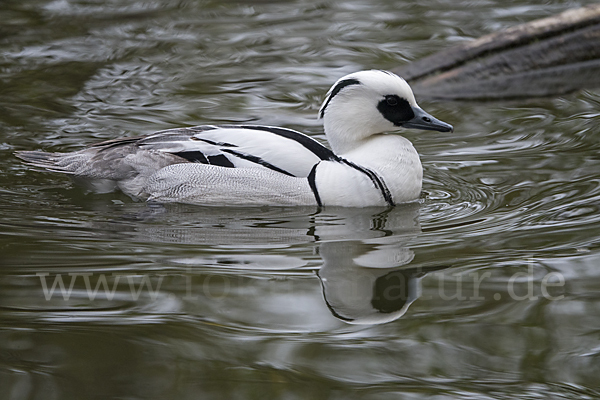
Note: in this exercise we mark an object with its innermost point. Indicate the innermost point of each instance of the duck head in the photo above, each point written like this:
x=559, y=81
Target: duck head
x=368, y=103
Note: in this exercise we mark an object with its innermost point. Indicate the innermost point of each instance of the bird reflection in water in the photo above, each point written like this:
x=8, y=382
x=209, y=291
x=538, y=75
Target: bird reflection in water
x=370, y=281
x=360, y=294
x=368, y=274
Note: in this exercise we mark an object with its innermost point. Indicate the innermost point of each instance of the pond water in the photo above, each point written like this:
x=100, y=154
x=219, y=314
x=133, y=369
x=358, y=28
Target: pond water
x=488, y=288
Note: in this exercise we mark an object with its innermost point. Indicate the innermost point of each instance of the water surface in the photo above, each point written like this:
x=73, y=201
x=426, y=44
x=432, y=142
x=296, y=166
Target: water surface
x=485, y=289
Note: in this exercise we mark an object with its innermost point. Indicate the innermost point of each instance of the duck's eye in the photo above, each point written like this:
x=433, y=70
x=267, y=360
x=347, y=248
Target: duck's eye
x=395, y=109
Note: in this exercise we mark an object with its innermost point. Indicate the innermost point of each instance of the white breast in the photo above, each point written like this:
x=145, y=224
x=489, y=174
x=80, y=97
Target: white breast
x=396, y=161
x=339, y=184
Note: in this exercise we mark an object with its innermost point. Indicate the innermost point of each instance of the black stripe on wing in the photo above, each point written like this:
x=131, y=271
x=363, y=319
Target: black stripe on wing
x=309, y=143
x=212, y=142
x=222, y=160
x=199, y=157
x=256, y=160
x=312, y=182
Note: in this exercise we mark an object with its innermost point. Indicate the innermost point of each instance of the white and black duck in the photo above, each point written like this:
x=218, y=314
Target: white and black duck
x=367, y=164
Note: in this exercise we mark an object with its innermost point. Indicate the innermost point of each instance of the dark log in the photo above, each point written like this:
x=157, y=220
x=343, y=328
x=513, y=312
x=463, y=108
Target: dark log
x=546, y=57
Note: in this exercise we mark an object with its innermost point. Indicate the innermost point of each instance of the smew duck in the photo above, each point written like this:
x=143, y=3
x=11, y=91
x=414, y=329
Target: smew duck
x=367, y=165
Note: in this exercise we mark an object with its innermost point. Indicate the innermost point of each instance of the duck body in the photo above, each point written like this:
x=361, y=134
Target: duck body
x=263, y=165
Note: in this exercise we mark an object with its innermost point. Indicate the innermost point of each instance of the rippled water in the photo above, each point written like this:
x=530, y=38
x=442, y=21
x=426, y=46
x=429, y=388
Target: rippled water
x=488, y=288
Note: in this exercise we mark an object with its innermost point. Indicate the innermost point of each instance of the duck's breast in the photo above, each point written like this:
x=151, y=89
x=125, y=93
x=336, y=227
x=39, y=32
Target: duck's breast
x=394, y=160
x=337, y=183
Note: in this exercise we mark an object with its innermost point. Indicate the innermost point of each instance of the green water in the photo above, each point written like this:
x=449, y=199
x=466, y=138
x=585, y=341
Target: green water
x=487, y=289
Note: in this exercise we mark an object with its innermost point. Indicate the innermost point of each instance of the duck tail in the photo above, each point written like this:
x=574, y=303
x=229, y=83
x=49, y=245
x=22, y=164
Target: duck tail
x=66, y=163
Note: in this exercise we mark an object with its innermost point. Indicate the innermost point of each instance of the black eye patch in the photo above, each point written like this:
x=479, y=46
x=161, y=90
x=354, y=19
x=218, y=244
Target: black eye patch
x=395, y=109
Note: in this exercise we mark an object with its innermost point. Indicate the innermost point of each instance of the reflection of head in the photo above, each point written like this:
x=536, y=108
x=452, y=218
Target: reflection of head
x=361, y=295
x=357, y=291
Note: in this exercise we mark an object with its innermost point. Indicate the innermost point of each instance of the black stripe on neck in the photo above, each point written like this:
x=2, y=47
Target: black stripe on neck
x=376, y=179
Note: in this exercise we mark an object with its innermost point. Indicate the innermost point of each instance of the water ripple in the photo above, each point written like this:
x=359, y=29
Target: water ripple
x=261, y=300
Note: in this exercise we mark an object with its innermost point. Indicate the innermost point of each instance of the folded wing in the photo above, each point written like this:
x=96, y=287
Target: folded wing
x=242, y=146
